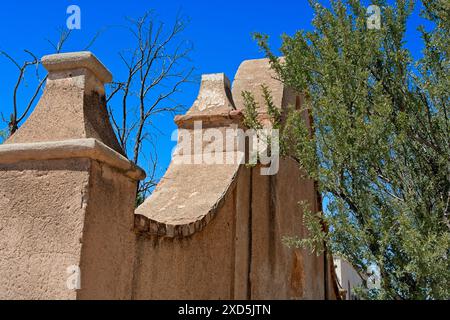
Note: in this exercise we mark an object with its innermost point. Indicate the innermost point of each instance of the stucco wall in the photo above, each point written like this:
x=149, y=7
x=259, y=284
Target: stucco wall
x=215, y=263
x=348, y=278
x=207, y=232
x=108, y=251
x=42, y=209
x=197, y=267
x=279, y=272
x=63, y=213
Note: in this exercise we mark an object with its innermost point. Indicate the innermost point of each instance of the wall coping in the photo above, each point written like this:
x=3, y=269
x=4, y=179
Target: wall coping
x=70, y=149
x=147, y=225
x=77, y=60
x=230, y=117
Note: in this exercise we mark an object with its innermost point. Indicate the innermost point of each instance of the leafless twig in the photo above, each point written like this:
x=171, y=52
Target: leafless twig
x=156, y=71
x=18, y=116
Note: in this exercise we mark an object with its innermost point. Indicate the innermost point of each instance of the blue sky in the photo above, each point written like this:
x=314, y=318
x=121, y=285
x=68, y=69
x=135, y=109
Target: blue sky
x=220, y=32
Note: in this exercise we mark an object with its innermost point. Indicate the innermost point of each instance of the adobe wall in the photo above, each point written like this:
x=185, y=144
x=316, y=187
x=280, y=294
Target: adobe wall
x=62, y=213
x=41, y=225
x=238, y=251
x=280, y=272
x=198, y=267
x=215, y=263
x=73, y=104
x=208, y=231
x=108, y=249
x=67, y=193
x=193, y=234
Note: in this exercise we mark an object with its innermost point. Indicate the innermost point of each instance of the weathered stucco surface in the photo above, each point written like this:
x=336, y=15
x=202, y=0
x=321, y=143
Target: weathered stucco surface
x=67, y=195
x=62, y=213
x=108, y=250
x=42, y=212
x=196, y=267
x=209, y=231
x=237, y=251
x=73, y=105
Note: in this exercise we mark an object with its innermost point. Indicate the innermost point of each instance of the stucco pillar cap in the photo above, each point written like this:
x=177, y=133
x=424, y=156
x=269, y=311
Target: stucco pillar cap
x=70, y=149
x=77, y=60
x=214, y=104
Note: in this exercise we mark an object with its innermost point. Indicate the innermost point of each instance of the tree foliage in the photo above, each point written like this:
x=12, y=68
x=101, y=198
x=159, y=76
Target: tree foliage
x=381, y=150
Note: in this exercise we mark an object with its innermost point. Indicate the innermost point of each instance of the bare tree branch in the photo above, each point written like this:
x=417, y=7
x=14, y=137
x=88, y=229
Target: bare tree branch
x=18, y=116
x=156, y=70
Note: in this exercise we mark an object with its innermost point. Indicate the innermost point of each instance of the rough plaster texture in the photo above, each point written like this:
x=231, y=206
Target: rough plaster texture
x=214, y=96
x=73, y=104
x=62, y=213
x=74, y=60
x=348, y=278
x=208, y=231
x=42, y=211
x=67, y=195
x=191, y=192
x=74, y=149
x=218, y=229
x=196, y=267
x=107, y=256
x=250, y=76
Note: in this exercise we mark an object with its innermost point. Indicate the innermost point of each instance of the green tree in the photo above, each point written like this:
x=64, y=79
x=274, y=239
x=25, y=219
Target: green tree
x=381, y=147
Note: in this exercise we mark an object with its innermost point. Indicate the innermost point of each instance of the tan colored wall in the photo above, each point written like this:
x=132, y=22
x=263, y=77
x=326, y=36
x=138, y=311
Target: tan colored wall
x=67, y=194
x=237, y=252
x=277, y=271
x=198, y=267
x=108, y=250
x=207, y=232
x=214, y=263
x=72, y=106
x=65, y=213
x=211, y=264
x=41, y=224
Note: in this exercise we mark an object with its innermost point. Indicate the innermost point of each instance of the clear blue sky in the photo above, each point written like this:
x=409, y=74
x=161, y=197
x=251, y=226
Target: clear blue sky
x=219, y=30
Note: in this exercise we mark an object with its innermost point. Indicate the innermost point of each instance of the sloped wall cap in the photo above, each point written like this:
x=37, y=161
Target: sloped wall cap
x=76, y=60
x=189, y=196
x=219, y=77
x=186, y=200
x=70, y=149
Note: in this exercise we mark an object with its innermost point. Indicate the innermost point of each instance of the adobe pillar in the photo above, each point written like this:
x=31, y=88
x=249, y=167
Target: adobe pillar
x=67, y=193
